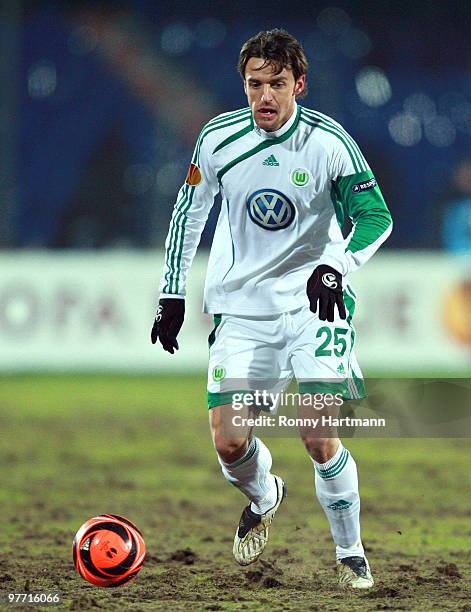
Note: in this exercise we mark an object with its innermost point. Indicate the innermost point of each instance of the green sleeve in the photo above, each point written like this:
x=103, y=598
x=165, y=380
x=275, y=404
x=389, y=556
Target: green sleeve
x=359, y=197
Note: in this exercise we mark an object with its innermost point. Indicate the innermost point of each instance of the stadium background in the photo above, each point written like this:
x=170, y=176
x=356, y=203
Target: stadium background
x=100, y=106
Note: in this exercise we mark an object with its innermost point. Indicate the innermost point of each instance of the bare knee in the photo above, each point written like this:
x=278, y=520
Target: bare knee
x=321, y=449
x=228, y=448
x=230, y=442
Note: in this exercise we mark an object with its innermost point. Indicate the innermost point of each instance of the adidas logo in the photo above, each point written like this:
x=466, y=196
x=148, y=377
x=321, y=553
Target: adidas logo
x=341, y=369
x=340, y=505
x=271, y=161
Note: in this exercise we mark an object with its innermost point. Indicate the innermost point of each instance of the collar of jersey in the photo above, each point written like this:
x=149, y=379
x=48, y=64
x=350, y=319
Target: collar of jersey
x=283, y=129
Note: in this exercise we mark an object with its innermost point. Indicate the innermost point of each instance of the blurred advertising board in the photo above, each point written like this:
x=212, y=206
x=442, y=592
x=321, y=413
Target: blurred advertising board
x=83, y=311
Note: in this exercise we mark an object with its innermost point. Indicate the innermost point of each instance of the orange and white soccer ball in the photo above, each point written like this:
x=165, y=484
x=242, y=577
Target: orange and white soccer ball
x=108, y=550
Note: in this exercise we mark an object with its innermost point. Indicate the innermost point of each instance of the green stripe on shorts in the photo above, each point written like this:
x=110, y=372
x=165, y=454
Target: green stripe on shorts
x=319, y=386
x=349, y=389
x=223, y=398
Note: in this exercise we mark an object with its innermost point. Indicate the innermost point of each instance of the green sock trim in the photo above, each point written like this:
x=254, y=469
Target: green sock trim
x=335, y=469
x=335, y=465
x=248, y=455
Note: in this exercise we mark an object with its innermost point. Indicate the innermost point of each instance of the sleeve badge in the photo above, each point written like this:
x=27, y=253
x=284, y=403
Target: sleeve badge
x=193, y=176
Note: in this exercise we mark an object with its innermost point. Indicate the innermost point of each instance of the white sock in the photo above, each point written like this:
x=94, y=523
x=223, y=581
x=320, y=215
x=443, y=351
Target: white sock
x=337, y=491
x=251, y=474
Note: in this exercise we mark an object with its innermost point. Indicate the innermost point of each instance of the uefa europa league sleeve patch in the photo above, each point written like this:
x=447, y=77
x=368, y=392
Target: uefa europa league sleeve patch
x=364, y=186
x=194, y=176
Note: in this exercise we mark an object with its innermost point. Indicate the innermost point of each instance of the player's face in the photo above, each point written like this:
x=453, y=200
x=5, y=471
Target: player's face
x=271, y=96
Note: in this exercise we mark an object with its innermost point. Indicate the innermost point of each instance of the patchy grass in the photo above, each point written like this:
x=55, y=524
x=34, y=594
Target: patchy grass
x=76, y=446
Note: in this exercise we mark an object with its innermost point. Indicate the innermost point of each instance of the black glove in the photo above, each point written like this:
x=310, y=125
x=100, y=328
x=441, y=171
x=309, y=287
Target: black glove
x=325, y=287
x=168, y=322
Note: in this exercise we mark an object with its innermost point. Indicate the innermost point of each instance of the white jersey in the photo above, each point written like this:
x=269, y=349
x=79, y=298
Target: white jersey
x=285, y=197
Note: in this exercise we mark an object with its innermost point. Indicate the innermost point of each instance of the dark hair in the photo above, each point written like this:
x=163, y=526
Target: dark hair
x=278, y=48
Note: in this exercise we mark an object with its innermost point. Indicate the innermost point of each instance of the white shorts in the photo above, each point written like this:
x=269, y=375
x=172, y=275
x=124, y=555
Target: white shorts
x=248, y=353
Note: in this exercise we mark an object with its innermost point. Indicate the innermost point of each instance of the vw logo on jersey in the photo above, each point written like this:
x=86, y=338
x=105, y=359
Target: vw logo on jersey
x=270, y=209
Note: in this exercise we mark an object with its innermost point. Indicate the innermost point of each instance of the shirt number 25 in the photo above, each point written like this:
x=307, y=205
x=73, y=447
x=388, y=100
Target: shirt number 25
x=331, y=341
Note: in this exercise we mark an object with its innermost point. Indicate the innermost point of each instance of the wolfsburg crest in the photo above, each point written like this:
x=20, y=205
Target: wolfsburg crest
x=218, y=373
x=270, y=209
x=300, y=177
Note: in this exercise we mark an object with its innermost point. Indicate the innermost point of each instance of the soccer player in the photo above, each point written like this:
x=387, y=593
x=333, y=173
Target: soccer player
x=276, y=282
